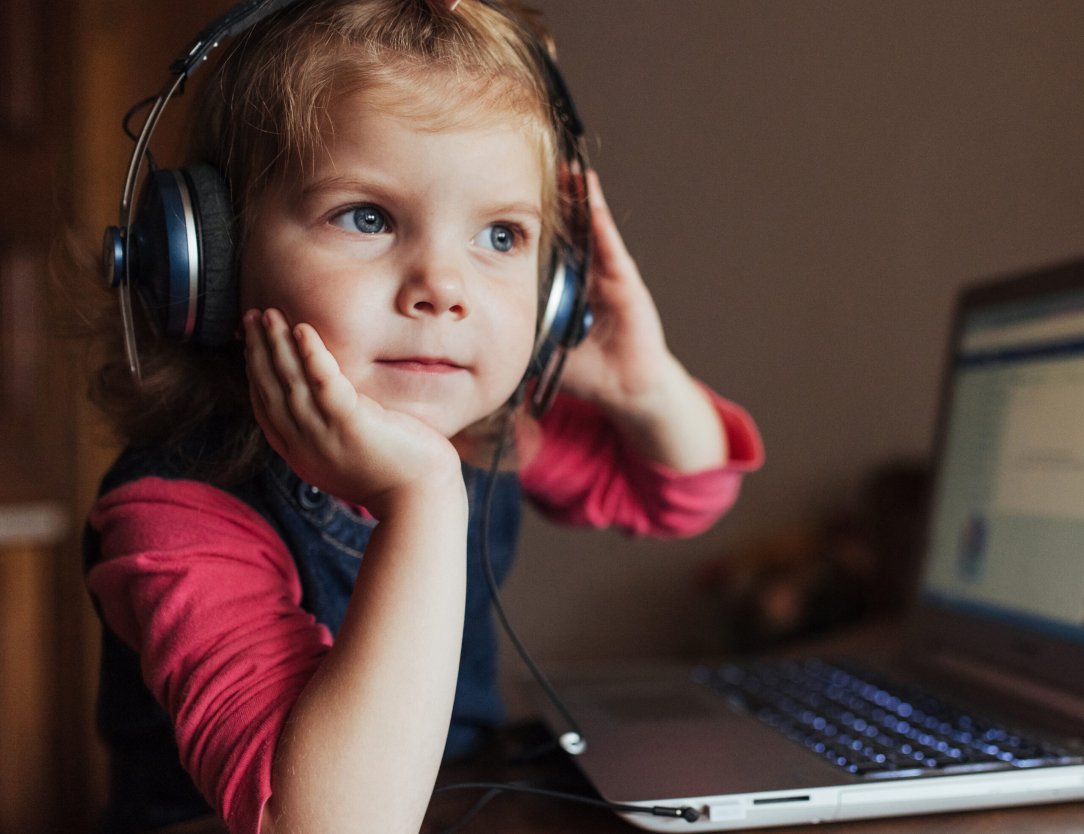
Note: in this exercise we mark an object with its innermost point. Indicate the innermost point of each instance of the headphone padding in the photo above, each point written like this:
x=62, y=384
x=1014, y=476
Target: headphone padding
x=218, y=293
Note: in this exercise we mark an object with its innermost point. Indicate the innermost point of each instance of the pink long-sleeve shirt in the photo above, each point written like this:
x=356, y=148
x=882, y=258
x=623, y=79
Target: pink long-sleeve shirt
x=203, y=588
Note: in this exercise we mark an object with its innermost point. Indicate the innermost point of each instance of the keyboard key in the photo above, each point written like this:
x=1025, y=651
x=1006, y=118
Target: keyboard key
x=870, y=726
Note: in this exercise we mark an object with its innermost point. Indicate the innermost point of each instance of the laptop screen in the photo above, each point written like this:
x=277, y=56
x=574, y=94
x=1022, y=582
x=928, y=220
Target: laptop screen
x=1006, y=535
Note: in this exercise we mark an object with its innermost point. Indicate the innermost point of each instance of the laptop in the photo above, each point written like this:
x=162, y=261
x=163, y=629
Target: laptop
x=983, y=704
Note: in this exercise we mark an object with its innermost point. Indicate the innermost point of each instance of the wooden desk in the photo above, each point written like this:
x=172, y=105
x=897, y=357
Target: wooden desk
x=509, y=813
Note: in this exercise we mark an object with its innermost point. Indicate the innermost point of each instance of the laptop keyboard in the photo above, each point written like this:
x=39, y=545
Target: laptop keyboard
x=861, y=722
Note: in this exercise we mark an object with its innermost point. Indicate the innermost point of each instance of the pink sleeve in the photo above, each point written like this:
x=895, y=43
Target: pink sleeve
x=583, y=474
x=201, y=586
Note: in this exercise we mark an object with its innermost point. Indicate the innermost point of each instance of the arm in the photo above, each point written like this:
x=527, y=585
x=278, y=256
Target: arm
x=625, y=368
x=639, y=443
x=365, y=738
x=173, y=555
x=584, y=473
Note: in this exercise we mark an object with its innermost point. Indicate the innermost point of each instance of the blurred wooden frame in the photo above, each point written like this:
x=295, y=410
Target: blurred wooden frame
x=21, y=83
x=21, y=280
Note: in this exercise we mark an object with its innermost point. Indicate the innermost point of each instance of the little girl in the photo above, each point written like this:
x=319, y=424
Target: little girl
x=286, y=557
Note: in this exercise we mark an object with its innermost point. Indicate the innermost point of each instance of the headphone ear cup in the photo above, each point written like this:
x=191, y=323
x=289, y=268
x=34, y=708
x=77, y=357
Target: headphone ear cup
x=566, y=318
x=216, y=227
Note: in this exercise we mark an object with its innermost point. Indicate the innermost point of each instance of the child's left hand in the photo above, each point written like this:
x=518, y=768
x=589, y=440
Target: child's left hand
x=620, y=363
x=625, y=367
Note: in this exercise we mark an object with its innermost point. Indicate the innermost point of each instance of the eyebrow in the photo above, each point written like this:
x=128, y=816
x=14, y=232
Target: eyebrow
x=531, y=209
x=339, y=184
x=379, y=191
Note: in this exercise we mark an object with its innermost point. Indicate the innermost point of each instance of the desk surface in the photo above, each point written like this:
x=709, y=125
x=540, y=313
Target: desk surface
x=508, y=813
x=521, y=814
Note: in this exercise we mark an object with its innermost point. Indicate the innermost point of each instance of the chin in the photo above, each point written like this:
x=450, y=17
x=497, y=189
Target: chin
x=437, y=418
x=449, y=417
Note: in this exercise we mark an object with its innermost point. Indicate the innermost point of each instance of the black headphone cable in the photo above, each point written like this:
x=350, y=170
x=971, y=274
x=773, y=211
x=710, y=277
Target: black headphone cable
x=573, y=741
x=685, y=812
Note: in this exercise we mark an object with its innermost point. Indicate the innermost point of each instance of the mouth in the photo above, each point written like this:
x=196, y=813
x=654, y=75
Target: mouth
x=422, y=365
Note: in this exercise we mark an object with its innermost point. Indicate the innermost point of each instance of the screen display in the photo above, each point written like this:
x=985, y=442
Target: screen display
x=1007, y=527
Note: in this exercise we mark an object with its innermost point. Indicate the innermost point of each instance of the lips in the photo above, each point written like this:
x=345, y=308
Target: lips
x=422, y=364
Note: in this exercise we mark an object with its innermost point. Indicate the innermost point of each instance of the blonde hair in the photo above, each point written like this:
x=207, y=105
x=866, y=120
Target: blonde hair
x=266, y=112
x=262, y=114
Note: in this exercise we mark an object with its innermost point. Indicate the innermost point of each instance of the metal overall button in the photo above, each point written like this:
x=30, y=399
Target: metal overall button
x=310, y=497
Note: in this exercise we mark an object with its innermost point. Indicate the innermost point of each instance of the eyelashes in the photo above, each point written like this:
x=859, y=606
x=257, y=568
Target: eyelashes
x=366, y=219
x=503, y=237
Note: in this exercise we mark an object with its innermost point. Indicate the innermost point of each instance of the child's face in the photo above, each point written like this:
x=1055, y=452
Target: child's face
x=414, y=254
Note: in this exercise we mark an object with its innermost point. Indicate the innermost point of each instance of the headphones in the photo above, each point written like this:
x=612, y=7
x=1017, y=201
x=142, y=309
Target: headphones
x=176, y=248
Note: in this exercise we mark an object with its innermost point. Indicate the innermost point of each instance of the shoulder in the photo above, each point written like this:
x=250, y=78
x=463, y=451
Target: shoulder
x=148, y=502
x=179, y=476
x=175, y=507
x=219, y=451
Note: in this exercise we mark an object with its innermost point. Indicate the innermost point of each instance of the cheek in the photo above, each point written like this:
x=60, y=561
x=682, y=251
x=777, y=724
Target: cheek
x=518, y=335
x=266, y=278
x=277, y=269
x=303, y=292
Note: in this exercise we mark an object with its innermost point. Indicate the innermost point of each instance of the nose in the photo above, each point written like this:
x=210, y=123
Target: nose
x=434, y=285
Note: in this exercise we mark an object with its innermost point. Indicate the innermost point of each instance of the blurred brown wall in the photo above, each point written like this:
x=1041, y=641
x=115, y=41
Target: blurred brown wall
x=804, y=185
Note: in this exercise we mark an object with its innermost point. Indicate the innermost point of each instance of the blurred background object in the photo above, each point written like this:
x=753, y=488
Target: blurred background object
x=854, y=566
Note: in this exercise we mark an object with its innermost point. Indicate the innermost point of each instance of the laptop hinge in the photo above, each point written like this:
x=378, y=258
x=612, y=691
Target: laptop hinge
x=1014, y=687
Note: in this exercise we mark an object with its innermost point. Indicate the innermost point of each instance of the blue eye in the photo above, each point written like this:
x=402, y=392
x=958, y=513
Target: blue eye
x=499, y=237
x=368, y=220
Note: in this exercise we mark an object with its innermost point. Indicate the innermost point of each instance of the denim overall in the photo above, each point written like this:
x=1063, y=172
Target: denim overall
x=148, y=787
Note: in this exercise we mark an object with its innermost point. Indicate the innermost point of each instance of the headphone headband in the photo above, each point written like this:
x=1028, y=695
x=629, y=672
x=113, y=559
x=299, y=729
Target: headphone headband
x=236, y=20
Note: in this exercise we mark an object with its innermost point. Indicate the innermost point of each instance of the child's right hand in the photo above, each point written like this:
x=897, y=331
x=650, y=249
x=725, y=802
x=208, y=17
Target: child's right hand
x=333, y=437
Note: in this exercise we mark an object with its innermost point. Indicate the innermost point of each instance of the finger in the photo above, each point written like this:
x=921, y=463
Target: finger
x=289, y=370
x=259, y=409
x=263, y=378
x=332, y=393
x=610, y=252
x=265, y=392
